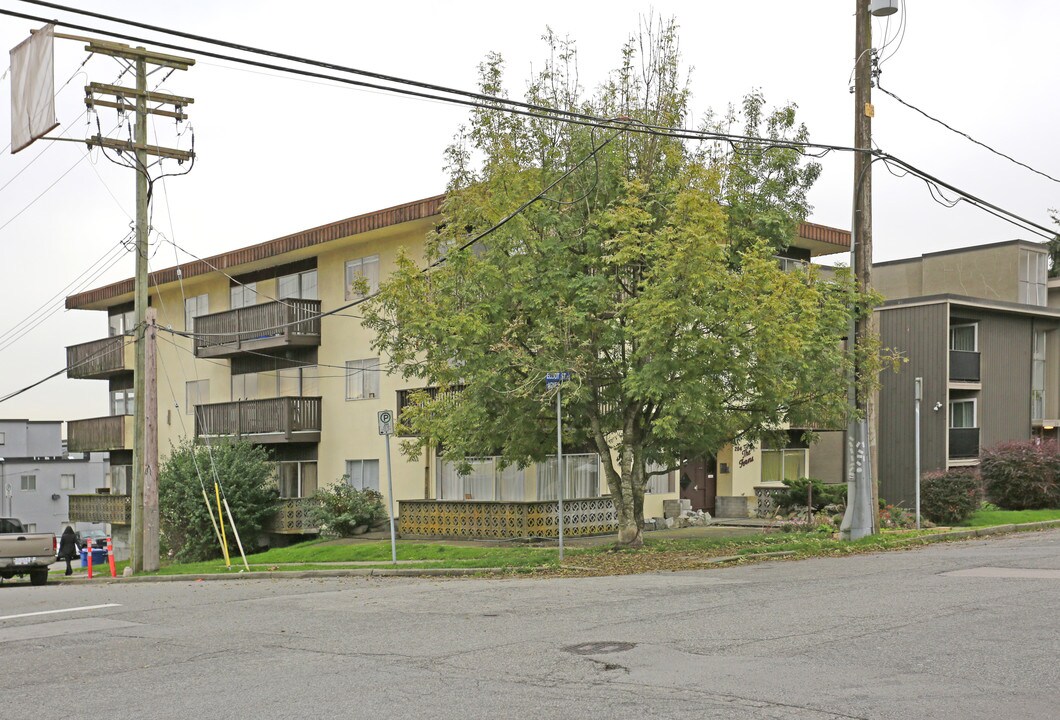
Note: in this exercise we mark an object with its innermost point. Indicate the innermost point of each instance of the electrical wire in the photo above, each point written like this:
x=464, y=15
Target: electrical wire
x=466, y=98
x=966, y=136
x=57, y=373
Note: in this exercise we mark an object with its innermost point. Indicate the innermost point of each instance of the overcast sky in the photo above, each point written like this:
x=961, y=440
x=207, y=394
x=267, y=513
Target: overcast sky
x=277, y=155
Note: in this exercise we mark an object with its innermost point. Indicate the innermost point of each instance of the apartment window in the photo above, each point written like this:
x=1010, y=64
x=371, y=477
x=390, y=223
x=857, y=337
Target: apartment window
x=121, y=323
x=1033, y=272
x=244, y=295
x=363, y=474
x=358, y=272
x=301, y=285
x=29, y=483
x=582, y=473
x=196, y=392
x=30, y=527
x=362, y=379
x=962, y=413
x=663, y=483
x=298, y=382
x=3, y=438
x=193, y=308
x=780, y=464
x=297, y=479
x=121, y=402
x=964, y=337
x=66, y=482
x=487, y=480
x=245, y=386
x=1038, y=377
x=791, y=264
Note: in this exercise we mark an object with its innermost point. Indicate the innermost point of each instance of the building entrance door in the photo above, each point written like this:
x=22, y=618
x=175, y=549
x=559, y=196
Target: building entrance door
x=699, y=482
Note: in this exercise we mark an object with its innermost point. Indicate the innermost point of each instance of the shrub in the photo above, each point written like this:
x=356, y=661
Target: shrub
x=343, y=508
x=249, y=485
x=794, y=496
x=893, y=517
x=949, y=497
x=1022, y=475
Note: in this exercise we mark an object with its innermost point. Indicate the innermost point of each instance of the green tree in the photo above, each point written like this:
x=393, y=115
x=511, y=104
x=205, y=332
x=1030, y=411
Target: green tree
x=247, y=476
x=648, y=272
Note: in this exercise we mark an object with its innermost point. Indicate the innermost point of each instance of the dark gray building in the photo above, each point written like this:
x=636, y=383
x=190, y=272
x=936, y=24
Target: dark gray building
x=976, y=324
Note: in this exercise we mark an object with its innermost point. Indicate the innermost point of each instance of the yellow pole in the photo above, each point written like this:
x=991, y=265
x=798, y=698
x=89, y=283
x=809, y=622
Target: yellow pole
x=220, y=517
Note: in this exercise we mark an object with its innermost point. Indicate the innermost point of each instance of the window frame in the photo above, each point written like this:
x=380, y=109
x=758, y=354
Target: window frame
x=356, y=266
x=369, y=375
x=62, y=481
x=198, y=302
x=28, y=479
x=361, y=461
x=975, y=413
x=975, y=335
x=301, y=282
x=189, y=407
x=242, y=289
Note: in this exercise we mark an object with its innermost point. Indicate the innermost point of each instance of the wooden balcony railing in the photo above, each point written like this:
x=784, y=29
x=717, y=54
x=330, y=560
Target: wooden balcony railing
x=102, y=434
x=100, y=358
x=284, y=323
x=407, y=398
x=276, y=420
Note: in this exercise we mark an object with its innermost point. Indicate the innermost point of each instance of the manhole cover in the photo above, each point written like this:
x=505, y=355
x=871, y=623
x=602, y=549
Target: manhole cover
x=599, y=648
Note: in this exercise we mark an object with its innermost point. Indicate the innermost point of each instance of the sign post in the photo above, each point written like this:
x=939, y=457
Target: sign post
x=918, y=392
x=386, y=429
x=556, y=380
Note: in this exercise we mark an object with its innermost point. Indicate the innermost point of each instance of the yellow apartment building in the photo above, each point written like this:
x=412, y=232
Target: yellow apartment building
x=267, y=358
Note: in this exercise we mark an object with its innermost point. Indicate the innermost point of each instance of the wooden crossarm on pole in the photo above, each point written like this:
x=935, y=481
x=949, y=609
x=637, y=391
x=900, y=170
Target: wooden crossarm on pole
x=128, y=146
x=107, y=89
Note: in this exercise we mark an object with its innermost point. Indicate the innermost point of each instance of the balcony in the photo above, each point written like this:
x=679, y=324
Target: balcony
x=964, y=443
x=99, y=359
x=964, y=366
x=276, y=420
x=114, y=432
x=282, y=324
x=114, y=509
x=406, y=398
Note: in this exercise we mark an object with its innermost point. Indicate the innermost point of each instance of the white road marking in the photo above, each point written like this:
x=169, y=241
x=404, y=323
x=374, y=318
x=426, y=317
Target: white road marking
x=64, y=610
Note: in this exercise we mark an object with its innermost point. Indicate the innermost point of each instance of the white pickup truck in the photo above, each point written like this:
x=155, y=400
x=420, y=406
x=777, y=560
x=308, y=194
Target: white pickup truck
x=23, y=553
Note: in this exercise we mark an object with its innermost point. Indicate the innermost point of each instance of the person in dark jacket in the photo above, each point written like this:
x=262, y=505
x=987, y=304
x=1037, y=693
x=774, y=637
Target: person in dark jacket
x=68, y=549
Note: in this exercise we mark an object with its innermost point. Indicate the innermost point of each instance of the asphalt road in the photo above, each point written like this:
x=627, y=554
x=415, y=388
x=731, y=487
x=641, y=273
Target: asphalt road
x=966, y=630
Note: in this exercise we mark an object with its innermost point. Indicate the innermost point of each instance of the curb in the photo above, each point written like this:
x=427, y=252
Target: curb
x=296, y=574
x=985, y=531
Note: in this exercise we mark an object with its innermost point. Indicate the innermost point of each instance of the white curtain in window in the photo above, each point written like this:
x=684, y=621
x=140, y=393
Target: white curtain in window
x=583, y=477
x=511, y=483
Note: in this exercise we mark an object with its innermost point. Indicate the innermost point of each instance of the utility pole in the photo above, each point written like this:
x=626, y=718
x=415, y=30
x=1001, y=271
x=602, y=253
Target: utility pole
x=145, y=461
x=150, y=487
x=860, y=517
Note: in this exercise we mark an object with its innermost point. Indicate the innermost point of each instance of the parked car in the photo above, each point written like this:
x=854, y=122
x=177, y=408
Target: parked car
x=23, y=553
x=98, y=538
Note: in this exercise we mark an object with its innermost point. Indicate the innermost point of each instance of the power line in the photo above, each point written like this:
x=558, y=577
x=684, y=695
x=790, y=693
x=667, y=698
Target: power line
x=965, y=135
x=462, y=97
x=55, y=374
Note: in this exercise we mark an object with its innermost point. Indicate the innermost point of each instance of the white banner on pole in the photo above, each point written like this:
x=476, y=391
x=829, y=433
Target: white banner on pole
x=33, y=88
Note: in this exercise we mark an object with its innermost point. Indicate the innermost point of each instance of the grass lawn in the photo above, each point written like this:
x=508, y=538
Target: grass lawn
x=985, y=518
x=658, y=554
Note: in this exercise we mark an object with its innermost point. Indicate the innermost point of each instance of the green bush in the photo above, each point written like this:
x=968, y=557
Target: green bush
x=1022, y=475
x=949, y=497
x=795, y=495
x=343, y=508
x=247, y=478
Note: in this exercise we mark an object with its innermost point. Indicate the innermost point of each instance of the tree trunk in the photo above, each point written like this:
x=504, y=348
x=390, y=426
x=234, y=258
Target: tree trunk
x=630, y=519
